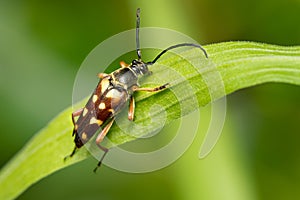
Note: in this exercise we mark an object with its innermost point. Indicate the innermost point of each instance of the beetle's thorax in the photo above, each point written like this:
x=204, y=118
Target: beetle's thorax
x=127, y=77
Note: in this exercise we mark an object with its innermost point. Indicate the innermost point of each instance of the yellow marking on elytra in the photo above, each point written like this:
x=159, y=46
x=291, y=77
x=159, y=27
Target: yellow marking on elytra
x=110, y=94
x=111, y=110
x=95, y=98
x=104, y=84
x=102, y=106
x=84, y=136
x=113, y=93
x=85, y=111
x=76, y=127
x=95, y=121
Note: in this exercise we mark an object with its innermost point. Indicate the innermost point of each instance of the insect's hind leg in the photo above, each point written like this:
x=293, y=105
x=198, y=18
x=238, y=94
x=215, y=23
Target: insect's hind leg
x=99, y=139
x=76, y=114
x=72, y=154
x=101, y=159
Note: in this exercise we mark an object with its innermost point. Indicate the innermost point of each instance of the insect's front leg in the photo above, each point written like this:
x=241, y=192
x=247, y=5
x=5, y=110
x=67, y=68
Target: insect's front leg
x=102, y=75
x=155, y=89
x=123, y=64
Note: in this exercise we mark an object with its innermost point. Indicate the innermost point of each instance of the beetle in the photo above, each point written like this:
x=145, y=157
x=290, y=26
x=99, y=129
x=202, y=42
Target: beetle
x=111, y=95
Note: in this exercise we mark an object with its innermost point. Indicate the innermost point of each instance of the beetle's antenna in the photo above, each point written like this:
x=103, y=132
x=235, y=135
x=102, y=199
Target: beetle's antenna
x=176, y=46
x=137, y=34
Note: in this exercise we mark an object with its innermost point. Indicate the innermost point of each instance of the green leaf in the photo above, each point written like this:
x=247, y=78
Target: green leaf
x=195, y=81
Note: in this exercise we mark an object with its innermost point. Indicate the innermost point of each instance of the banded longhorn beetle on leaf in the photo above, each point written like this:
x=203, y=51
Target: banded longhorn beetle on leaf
x=111, y=95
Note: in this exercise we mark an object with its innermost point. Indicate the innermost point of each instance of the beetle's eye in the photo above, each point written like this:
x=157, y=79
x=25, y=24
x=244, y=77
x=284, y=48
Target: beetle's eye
x=134, y=62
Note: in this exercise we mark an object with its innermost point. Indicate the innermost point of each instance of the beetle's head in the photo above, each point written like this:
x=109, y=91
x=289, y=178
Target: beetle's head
x=140, y=67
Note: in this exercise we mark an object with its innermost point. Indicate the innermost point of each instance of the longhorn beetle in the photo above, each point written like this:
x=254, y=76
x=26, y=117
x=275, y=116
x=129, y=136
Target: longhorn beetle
x=111, y=95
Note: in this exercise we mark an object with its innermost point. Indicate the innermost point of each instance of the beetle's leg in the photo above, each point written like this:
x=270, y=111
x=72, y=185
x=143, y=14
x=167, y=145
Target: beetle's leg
x=72, y=154
x=102, y=75
x=100, y=161
x=104, y=131
x=131, y=109
x=123, y=64
x=99, y=139
x=76, y=114
x=159, y=88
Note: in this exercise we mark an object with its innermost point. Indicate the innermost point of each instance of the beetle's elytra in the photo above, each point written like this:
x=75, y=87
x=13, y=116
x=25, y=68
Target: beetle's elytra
x=111, y=95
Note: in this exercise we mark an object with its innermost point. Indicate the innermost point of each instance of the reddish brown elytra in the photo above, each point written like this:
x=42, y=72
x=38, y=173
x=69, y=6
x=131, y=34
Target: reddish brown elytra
x=111, y=95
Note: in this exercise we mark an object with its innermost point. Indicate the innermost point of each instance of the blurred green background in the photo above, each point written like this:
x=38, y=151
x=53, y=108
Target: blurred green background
x=42, y=44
